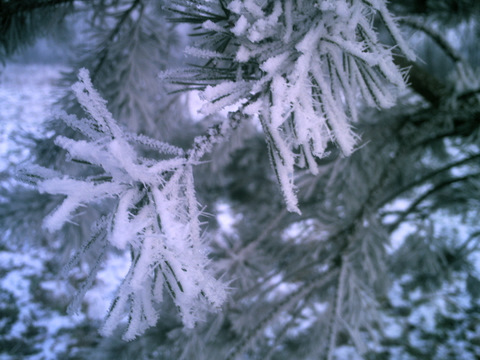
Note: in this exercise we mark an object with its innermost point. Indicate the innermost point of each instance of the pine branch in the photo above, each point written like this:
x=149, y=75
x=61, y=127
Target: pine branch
x=437, y=187
x=257, y=242
x=463, y=123
x=303, y=291
x=272, y=77
x=446, y=12
x=424, y=83
x=437, y=37
x=337, y=310
x=22, y=22
x=155, y=215
x=215, y=134
x=11, y=8
x=470, y=239
x=426, y=177
x=113, y=34
x=293, y=317
x=123, y=49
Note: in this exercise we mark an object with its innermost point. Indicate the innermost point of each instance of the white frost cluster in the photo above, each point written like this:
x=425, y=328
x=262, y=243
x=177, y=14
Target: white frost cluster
x=156, y=216
x=302, y=66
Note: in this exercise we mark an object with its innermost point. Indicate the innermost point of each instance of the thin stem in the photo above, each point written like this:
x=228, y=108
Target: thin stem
x=215, y=134
x=280, y=335
x=423, y=179
x=419, y=24
x=337, y=309
x=111, y=38
x=419, y=200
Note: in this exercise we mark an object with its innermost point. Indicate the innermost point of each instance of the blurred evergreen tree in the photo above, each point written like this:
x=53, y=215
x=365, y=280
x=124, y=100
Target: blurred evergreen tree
x=383, y=260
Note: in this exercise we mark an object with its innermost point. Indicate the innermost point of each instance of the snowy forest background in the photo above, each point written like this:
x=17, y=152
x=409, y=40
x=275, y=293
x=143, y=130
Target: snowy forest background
x=243, y=231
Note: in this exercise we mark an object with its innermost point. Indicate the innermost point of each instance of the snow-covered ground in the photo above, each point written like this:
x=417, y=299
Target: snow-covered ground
x=27, y=93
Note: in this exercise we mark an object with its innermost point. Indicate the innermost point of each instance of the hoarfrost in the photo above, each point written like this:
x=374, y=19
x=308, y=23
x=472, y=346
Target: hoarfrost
x=302, y=66
x=155, y=216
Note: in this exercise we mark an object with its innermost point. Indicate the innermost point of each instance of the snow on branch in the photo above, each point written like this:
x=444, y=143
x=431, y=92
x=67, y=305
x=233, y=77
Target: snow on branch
x=301, y=66
x=155, y=216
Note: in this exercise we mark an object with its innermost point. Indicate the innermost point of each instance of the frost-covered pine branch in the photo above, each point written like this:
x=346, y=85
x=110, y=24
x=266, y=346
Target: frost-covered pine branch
x=155, y=216
x=126, y=44
x=301, y=66
x=302, y=286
